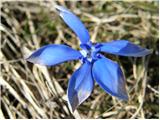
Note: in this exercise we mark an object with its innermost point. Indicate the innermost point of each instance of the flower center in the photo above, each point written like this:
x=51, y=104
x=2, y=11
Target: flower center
x=89, y=54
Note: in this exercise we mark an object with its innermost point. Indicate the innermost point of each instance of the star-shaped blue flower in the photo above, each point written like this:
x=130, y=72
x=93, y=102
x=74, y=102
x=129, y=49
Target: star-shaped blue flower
x=95, y=66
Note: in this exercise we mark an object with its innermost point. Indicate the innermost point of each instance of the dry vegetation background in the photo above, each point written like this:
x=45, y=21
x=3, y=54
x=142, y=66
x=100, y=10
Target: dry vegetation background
x=33, y=91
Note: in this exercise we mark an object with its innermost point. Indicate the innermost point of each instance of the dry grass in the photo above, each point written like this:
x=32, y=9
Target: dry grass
x=33, y=91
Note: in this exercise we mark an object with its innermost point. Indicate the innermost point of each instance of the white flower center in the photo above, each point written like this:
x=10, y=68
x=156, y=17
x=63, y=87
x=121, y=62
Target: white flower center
x=88, y=54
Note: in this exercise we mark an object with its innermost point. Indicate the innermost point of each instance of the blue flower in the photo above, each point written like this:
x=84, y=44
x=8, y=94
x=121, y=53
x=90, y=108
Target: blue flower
x=95, y=66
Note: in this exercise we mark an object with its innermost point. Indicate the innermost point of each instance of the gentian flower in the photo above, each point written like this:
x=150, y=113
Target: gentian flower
x=95, y=66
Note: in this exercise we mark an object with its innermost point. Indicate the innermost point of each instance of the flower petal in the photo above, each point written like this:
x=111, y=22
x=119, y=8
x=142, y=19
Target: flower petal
x=53, y=54
x=110, y=77
x=124, y=48
x=74, y=23
x=80, y=86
